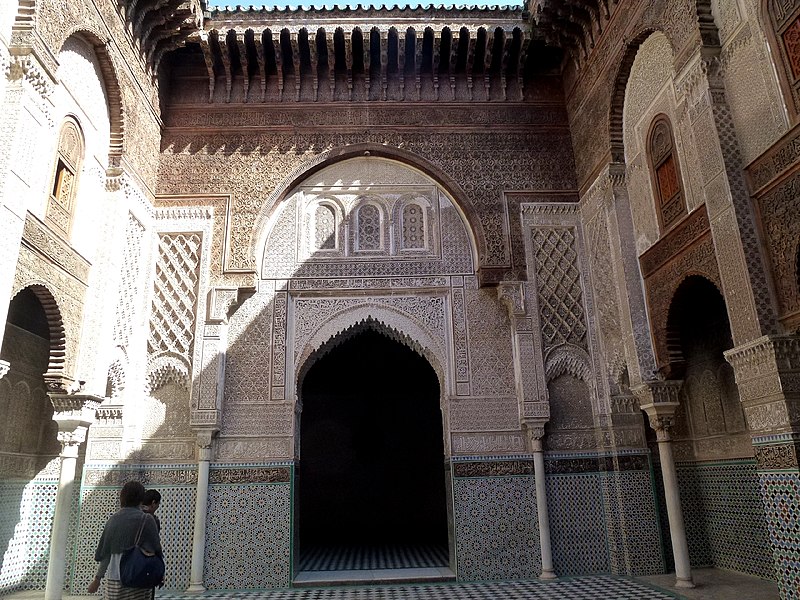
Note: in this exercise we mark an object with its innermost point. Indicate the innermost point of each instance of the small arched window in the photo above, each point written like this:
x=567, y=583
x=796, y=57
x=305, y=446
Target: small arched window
x=324, y=228
x=414, y=230
x=369, y=228
x=670, y=202
x=783, y=33
x=61, y=204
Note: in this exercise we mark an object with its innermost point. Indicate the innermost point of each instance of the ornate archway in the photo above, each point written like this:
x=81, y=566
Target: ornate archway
x=371, y=486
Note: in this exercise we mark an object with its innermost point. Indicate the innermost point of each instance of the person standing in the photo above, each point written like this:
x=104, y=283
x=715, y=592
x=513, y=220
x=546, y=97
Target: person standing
x=119, y=534
x=150, y=504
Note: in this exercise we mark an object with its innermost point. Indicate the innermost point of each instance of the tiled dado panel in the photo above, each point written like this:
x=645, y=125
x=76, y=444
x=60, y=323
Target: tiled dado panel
x=99, y=499
x=724, y=515
x=603, y=515
x=497, y=536
x=26, y=518
x=248, y=540
x=779, y=481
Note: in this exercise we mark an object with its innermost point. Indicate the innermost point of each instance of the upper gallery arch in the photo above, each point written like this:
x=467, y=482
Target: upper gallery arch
x=366, y=175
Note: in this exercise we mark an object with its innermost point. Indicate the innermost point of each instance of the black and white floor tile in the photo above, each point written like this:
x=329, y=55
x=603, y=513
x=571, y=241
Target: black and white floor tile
x=578, y=588
x=352, y=558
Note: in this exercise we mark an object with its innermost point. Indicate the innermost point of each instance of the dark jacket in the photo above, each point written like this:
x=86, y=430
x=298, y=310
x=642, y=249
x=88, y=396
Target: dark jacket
x=119, y=534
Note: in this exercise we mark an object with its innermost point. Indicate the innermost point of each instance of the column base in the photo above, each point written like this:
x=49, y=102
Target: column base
x=548, y=575
x=196, y=588
x=684, y=583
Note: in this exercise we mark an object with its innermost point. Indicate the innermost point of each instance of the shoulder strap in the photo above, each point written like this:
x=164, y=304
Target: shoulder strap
x=141, y=528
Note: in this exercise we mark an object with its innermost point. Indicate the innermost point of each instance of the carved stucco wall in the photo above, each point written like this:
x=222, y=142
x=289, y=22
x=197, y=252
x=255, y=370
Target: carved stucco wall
x=427, y=300
x=82, y=94
x=751, y=83
x=56, y=20
x=590, y=95
x=258, y=165
x=650, y=92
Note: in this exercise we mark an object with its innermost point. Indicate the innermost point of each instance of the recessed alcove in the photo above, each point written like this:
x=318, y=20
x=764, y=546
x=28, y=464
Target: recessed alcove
x=371, y=482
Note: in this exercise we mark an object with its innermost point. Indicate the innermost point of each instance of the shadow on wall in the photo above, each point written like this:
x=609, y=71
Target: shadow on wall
x=252, y=504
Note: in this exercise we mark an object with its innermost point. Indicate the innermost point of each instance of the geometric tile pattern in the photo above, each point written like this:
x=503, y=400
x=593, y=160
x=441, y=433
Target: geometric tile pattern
x=176, y=514
x=602, y=587
x=577, y=524
x=781, y=493
x=724, y=515
x=497, y=533
x=354, y=558
x=635, y=544
x=248, y=537
x=97, y=504
x=26, y=518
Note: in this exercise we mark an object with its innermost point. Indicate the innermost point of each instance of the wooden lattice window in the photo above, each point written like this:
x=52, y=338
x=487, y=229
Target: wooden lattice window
x=670, y=202
x=783, y=32
x=61, y=204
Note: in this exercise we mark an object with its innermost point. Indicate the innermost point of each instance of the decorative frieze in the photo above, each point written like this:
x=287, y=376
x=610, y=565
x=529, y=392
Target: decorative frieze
x=487, y=443
x=494, y=468
x=249, y=475
x=39, y=238
x=95, y=477
x=597, y=464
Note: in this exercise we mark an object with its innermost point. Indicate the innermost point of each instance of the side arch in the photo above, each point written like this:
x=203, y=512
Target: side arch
x=262, y=224
x=108, y=70
x=683, y=292
x=616, y=136
x=56, y=371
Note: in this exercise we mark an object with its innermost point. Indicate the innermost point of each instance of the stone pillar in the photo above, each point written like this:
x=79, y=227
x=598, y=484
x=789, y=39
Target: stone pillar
x=535, y=435
x=74, y=414
x=768, y=377
x=659, y=399
x=534, y=403
x=205, y=438
x=738, y=249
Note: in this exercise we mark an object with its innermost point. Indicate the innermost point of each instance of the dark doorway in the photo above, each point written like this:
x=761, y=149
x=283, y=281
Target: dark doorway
x=371, y=473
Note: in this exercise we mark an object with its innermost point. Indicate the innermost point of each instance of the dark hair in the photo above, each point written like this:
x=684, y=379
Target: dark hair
x=131, y=494
x=151, y=496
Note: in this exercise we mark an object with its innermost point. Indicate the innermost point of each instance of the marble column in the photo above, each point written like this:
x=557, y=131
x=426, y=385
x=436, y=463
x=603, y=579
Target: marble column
x=661, y=410
x=73, y=414
x=204, y=442
x=535, y=435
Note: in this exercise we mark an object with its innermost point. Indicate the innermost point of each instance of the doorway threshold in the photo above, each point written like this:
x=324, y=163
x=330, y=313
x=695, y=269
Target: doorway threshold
x=373, y=576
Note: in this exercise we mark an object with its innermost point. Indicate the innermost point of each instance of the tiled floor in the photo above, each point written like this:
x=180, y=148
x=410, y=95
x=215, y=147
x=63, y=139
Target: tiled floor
x=351, y=558
x=580, y=588
x=713, y=584
x=716, y=584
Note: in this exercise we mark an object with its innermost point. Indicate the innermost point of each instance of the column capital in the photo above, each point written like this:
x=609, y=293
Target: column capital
x=512, y=294
x=4, y=368
x=534, y=430
x=204, y=438
x=662, y=391
x=660, y=400
x=73, y=413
